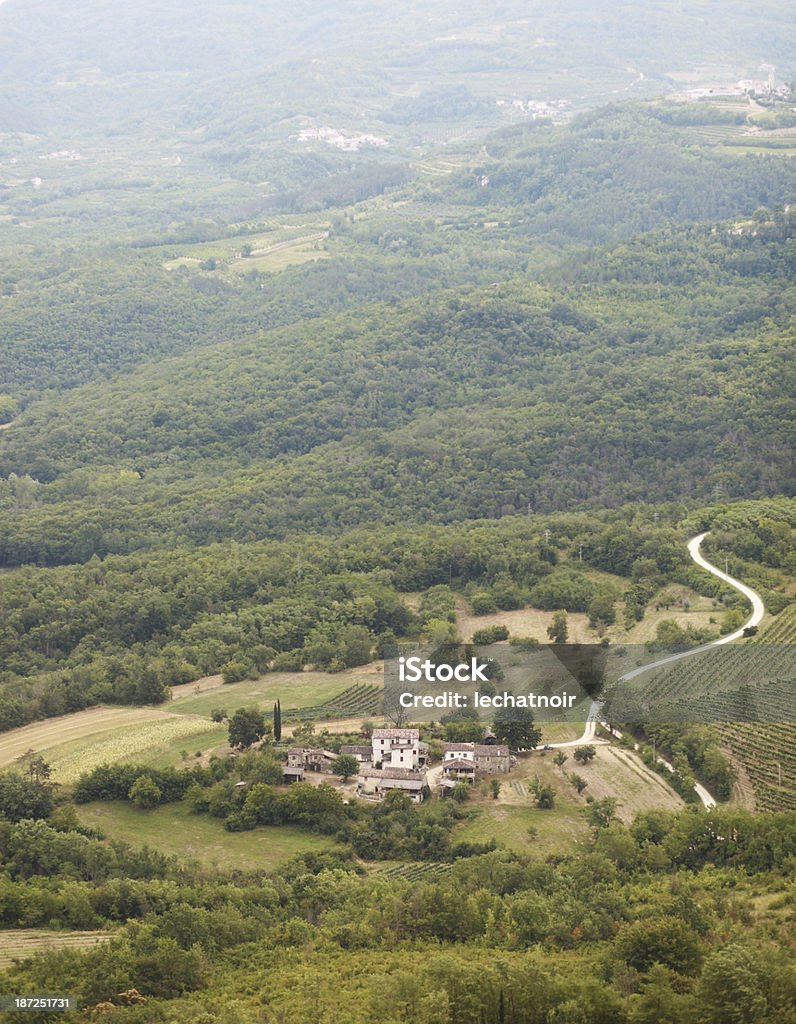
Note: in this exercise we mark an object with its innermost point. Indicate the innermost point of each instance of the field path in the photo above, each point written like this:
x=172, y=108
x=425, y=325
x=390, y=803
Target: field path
x=287, y=244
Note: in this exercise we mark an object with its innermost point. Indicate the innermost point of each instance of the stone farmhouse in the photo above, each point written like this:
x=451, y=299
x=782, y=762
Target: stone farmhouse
x=396, y=759
x=457, y=769
x=462, y=762
x=377, y=782
x=312, y=759
x=293, y=773
x=362, y=752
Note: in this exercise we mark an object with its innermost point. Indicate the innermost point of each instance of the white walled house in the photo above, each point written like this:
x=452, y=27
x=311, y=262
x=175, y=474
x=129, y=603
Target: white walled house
x=458, y=752
x=398, y=748
x=486, y=758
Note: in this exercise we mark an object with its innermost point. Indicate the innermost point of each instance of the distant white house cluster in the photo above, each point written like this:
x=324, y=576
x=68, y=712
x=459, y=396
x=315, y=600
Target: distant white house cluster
x=338, y=139
x=767, y=86
x=535, y=109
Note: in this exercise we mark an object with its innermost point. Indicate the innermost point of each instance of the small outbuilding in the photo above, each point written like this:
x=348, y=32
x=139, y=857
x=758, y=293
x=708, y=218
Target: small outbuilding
x=377, y=782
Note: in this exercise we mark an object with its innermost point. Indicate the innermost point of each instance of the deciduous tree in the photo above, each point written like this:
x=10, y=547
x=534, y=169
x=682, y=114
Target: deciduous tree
x=346, y=765
x=246, y=726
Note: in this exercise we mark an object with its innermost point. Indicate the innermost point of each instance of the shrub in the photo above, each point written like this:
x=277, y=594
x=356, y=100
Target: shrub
x=490, y=635
x=145, y=792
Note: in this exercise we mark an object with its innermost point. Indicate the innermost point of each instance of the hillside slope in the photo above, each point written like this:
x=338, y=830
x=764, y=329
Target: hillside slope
x=457, y=406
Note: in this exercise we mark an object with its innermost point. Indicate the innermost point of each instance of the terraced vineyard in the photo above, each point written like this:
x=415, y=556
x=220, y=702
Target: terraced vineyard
x=783, y=629
x=420, y=871
x=720, y=670
x=357, y=701
x=768, y=754
x=767, y=750
x=717, y=132
x=753, y=701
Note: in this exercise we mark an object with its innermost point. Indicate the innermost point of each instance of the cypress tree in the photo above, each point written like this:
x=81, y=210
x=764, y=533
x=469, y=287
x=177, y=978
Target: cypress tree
x=277, y=721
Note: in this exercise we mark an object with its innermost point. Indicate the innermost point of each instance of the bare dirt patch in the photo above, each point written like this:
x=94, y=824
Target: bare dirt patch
x=524, y=622
x=743, y=792
x=616, y=772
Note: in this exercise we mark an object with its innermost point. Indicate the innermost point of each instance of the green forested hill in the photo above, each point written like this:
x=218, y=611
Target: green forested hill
x=538, y=371
x=95, y=312
x=662, y=920
x=123, y=628
x=543, y=197
x=460, y=405
x=618, y=171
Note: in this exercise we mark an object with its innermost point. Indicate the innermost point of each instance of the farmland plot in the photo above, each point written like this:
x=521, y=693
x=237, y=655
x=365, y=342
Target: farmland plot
x=79, y=726
x=21, y=943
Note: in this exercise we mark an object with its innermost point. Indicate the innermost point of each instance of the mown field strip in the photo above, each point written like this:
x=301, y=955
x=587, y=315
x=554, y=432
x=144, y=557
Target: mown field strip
x=135, y=742
x=52, y=732
x=641, y=771
x=26, y=942
x=622, y=774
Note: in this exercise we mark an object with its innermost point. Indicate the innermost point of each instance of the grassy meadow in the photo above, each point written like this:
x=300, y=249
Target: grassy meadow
x=173, y=830
x=293, y=689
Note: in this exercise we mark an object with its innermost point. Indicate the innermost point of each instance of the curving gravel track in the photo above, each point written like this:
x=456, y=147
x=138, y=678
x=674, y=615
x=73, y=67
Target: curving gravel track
x=758, y=610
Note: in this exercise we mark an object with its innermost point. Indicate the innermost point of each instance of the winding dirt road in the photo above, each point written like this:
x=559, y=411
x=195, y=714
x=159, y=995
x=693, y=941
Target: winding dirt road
x=758, y=611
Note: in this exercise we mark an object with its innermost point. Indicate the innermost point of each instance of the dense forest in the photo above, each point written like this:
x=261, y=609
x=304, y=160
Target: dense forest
x=632, y=349
x=464, y=405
